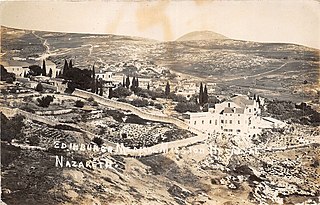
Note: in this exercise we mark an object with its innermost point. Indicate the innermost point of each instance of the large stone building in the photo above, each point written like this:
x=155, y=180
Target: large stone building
x=237, y=116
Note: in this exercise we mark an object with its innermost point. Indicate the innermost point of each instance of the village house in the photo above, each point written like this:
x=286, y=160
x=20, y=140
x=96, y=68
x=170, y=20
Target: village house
x=16, y=67
x=106, y=77
x=236, y=116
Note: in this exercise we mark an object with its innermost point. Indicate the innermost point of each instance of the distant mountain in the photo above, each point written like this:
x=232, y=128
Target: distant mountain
x=201, y=35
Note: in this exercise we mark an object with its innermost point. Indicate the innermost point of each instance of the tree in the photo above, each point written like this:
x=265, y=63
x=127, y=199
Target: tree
x=44, y=70
x=97, y=86
x=79, y=103
x=25, y=74
x=65, y=68
x=39, y=87
x=187, y=107
x=205, y=95
x=127, y=82
x=137, y=82
x=93, y=82
x=5, y=74
x=50, y=73
x=35, y=70
x=101, y=88
x=121, y=92
x=133, y=84
x=9, y=80
x=70, y=64
x=167, y=89
x=45, y=101
x=110, y=93
x=123, y=81
x=201, y=94
x=148, y=86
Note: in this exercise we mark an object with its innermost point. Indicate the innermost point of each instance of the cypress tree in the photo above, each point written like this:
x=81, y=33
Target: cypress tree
x=133, y=83
x=127, y=82
x=44, y=70
x=123, y=82
x=110, y=93
x=101, y=88
x=205, y=95
x=148, y=86
x=93, y=83
x=70, y=64
x=96, y=87
x=65, y=67
x=201, y=94
x=137, y=82
x=50, y=73
x=167, y=89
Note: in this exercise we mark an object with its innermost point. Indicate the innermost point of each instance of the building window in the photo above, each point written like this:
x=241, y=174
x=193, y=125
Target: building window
x=230, y=121
x=210, y=121
x=222, y=121
x=228, y=104
x=216, y=122
x=202, y=121
x=195, y=122
x=230, y=114
x=238, y=130
x=226, y=121
x=230, y=130
x=254, y=109
x=249, y=110
x=239, y=122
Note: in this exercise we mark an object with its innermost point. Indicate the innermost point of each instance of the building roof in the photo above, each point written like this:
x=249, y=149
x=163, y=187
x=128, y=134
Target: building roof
x=10, y=63
x=232, y=110
x=242, y=101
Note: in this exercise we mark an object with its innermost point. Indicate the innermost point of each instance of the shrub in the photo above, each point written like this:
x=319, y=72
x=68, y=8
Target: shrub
x=39, y=87
x=158, y=106
x=90, y=99
x=9, y=80
x=140, y=102
x=187, y=107
x=11, y=128
x=79, y=103
x=98, y=141
x=95, y=103
x=34, y=140
x=45, y=101
x=121, y=92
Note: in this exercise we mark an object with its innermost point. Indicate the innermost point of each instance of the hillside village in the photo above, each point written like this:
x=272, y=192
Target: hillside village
x=199, y=136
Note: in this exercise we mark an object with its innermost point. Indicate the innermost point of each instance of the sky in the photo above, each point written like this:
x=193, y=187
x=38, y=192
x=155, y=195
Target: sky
x=290, y=21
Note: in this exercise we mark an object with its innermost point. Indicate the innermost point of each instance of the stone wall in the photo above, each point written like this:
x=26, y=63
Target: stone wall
x=54, y=112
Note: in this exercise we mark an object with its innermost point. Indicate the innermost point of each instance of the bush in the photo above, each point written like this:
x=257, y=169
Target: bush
x=11, y=128
x=34, y=140
x=39, y=87
x=95, y=103
x=158, y=106
x=45, y=101
x=177, y=98
x=79, y=103
x=90, y=99
x=187, y=107
x=121, y=92
x=98, y=141
x=140, y=102
x=9, y=80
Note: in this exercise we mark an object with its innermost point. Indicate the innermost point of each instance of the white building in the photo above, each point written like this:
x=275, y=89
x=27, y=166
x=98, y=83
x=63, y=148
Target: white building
x=237, y=116
x=16, y=67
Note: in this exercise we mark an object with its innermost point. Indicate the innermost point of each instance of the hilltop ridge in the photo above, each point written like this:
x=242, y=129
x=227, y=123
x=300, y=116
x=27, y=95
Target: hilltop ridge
x=201, y=35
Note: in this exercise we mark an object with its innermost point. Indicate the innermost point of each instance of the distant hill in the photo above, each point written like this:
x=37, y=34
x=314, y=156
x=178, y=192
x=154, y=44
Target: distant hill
x=201, y=35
